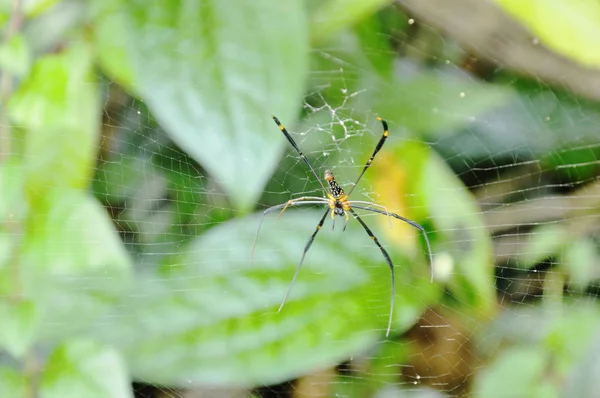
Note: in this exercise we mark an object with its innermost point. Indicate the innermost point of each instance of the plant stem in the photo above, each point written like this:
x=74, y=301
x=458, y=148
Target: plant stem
x=6, y=79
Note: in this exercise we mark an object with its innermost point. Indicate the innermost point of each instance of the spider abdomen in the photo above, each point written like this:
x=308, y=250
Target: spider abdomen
x=334, y=187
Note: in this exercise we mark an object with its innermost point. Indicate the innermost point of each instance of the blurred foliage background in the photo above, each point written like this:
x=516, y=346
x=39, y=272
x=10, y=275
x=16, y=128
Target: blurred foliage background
x=137, y=154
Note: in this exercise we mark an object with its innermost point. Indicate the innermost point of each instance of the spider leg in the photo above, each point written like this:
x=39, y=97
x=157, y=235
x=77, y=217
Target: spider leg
x=277, y=207
x=308, y=244
x=291, y=140
x=410, y=222
x=362, y=202
x=377, y=148
x=332, y=220
x=346, y=221
x=304, y=198
x=389, y=262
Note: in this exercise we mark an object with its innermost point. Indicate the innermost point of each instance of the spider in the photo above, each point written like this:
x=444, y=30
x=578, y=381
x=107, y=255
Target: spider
x=338, y=204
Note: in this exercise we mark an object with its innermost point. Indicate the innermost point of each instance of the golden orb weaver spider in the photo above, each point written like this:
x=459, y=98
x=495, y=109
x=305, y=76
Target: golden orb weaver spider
x=338, y=204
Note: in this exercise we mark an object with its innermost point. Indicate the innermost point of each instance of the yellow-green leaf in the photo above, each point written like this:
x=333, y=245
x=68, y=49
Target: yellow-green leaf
x=569, y=27
x=59, y=109
x=83, y=368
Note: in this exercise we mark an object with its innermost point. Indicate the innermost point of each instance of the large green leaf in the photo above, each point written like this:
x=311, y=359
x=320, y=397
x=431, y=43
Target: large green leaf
x=524, y=367
x=109, y=29
x=73, y=264
x=546, y=341
x=545, y=241
x=211, y=316
x=570, y=27
x=19, y=324
x=15, y=56
x=33, y=8
x=579, y=259
x=463, y=244
x=582, y=380
x=18, y=317
x=13, y=204
x=213, y=72
x=83, y=368
x=13, y=383
x=59, y=108
x=536, y=122
x=434, y=102
x=335, y=15
x=571, y=334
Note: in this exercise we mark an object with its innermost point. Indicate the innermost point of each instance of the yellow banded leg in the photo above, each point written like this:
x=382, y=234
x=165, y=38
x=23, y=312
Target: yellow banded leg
x=346, y=223
x=299, y=200
x=289, y=202
x=332, y=219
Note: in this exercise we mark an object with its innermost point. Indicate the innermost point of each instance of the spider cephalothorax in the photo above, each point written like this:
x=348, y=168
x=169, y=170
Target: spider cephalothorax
x=339, y=204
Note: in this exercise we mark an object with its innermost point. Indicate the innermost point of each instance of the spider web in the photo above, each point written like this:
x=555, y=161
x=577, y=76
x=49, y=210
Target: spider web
x=498, y=155
x=526, y=180
x=522, y=152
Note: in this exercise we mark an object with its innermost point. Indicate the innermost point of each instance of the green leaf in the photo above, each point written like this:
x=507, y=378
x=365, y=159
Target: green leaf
x=561, y=339
x=334, y=15
x=434, y=102
x=58, y=106
x=388, y=355
x=56, y=26
x=536, y=122
x=582, y=380
x=19, y=320
x=579, y=259
x=213, y=77
x=7, y=247
x=563, y=331
x=571, y=335
x=13, y=204
x=73, y=264
x=18, y=317
x=464, y=246
x=525, y=325
x=211, y=316
x=569, y=27
x=375, y=48
x=109, y=29
x=546, y=241
x=84, y=368
x=15, y=56
x=577, y=162
x=33, y=8
x=13, y=383
x=524, y=367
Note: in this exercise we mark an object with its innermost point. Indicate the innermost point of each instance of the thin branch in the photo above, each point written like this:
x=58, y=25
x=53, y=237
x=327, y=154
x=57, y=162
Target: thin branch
x=14, y=25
